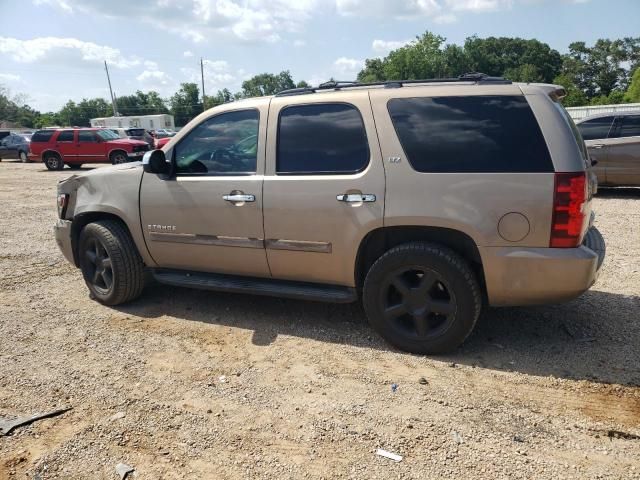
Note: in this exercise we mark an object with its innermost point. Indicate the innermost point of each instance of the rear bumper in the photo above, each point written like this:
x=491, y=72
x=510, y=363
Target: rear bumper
x=62, y=230
x=530, y=276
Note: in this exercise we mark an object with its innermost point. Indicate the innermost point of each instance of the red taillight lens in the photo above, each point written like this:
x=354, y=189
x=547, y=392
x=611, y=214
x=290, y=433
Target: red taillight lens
x=568, y=209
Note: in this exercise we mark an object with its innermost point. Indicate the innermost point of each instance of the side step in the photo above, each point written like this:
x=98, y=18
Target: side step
x=256, y=286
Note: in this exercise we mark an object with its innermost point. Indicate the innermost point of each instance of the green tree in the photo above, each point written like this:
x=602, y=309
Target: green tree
x=185, y=103
x=49, y=119
x=575, y=96
x=141, y=103
x=633, y=92
x=267, y=84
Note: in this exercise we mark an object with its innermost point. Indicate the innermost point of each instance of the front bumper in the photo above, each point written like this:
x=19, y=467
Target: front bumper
x=62, y=230
x=137, y=155
x=529, y=276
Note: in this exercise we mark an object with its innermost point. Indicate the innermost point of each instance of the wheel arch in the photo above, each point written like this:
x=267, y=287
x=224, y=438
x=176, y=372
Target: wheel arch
x=382, y=239
x=117, y=150
x=48, y=151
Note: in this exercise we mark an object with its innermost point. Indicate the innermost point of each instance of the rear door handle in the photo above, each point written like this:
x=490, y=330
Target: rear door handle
x=356, y=197
x=239, y=197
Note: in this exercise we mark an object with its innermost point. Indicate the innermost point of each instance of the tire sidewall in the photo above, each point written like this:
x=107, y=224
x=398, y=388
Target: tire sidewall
x=467, y=307
x=23, y=157
x=115, y=155
x=90, y=232
x=53, y=162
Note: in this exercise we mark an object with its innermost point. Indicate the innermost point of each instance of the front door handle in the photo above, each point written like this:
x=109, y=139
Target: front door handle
x=239, y=198
x=597, y=145
x=356, y=197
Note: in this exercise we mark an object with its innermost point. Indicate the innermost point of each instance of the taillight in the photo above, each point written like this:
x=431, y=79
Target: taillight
x=569, y=200
x=63, y=202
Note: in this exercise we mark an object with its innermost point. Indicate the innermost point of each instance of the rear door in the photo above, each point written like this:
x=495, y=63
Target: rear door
x=324, y=185
x=595, y=133
x=623, y=152
x=65, y=145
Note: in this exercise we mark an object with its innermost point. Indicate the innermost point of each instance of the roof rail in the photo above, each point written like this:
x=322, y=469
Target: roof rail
x=478, y=78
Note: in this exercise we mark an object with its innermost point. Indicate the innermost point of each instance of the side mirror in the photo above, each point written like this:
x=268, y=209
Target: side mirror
x=155, y=161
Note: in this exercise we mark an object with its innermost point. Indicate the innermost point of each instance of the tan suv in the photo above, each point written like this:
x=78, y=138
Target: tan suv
x=426, y=199
x=613, y=141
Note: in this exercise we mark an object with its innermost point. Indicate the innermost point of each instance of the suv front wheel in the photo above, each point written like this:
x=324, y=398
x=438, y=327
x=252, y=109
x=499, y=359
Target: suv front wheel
x=118, y=158
x=422, y=298
x=111, y=265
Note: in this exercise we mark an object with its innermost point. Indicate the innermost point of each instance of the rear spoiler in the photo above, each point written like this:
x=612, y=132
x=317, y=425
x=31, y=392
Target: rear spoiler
x=555, y=92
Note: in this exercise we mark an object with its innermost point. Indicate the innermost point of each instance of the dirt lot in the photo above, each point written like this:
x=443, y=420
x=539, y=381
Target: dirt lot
x=188, y=384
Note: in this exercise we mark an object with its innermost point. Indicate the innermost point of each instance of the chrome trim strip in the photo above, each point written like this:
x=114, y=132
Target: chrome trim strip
x=298, y=245
x=215, y=240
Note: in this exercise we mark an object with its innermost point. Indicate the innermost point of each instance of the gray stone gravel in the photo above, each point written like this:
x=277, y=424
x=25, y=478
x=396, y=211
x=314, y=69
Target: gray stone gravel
x=535, y=392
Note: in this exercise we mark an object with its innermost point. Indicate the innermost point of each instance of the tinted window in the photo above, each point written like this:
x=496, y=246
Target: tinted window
x=224, y=144
x=42, y=136
x=86, y=136
x=595, y=128
x=630, y=126
x=322, y=138
x=470, y=134
x=135, y=132
x=65, y=136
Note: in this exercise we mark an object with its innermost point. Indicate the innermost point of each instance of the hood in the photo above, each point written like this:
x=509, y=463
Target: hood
x=126, y=141
x=98, y=176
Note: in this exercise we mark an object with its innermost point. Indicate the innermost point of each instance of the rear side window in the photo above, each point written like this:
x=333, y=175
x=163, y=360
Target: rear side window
x=65, y=136
x=327, y=138
x=629, y=126
x=470, y=134
x=42, y=136
x=596, y=128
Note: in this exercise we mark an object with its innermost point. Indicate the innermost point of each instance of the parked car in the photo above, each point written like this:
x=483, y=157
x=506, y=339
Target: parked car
x=613, y=141
x=426, y=200
x=161, y=142
x=134, y=134
x=76, y=146
x=164, y=132
x=14, y=146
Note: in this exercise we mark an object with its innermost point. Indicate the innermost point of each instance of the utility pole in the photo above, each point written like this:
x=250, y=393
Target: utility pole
x=113, y=101
x=202, y=74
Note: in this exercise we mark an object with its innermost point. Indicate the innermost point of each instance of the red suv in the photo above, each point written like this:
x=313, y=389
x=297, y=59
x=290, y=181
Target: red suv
x=75, y=146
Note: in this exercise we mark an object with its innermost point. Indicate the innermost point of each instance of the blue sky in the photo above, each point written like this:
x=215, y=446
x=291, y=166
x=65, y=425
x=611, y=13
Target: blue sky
x=52, y=50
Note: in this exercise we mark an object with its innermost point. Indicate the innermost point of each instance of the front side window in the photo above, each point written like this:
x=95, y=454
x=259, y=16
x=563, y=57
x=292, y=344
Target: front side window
x=326, y=138
x=86, y=136
x=226, y=144
x=471, y=134
x=65, y=136
x=596, y=128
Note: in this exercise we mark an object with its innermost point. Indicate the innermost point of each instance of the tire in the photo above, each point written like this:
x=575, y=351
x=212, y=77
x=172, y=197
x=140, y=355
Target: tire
x=595, y=241
x=75, y=166
x=53, y=161
x=422, y=298
x=118, y=158
x=111, y=265
x=23, y=157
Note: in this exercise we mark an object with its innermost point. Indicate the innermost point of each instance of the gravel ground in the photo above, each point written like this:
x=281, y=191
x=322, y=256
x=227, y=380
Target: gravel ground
x=189, y=384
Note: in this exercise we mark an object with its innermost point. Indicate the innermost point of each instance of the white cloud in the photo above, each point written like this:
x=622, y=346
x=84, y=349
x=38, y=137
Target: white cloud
x=187, y=54
x=478, y=5
x=382, y=47
x=402, y=10
x=9, y=77
x=63, y=5
x=299, y=43
x=56, y=50
x=348, y=66
x=445, y=18
x=217, y=74
x=153, y=76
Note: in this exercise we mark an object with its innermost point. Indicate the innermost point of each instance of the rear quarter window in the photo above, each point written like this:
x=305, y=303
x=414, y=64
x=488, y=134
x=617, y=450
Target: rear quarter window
x=472, y=134
x=42, y=136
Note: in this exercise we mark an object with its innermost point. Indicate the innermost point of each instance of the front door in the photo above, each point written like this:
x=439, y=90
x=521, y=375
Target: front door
x=66, y=145
x=209, y=216
x=89, y=147
x=324, y=187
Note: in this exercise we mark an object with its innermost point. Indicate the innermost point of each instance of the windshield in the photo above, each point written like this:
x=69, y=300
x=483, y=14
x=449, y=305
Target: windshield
x=107, y=135
x=135, y=132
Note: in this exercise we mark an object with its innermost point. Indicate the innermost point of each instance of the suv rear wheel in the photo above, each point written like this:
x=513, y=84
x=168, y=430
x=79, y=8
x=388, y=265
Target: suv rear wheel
x=53, y=161
x=119, y=157
x=111, y=265
x=422, y=298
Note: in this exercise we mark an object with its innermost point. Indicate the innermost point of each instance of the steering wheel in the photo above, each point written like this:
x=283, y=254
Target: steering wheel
x=224, y=158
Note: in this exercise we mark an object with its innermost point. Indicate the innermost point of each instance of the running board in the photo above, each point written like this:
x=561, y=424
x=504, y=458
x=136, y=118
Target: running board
x=256, y=286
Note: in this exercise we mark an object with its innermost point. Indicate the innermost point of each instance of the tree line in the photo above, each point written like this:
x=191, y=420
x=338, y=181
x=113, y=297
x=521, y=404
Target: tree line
x=604, y=73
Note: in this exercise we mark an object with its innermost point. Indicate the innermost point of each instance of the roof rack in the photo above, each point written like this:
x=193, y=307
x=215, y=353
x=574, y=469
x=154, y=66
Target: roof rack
x=478, y=78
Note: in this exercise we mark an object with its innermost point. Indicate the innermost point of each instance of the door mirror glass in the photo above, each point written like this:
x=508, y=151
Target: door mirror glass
x=155, y=161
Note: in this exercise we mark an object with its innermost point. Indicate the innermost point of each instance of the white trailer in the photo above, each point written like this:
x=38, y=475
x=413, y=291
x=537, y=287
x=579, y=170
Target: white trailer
x=148, y=122
x=578, y=113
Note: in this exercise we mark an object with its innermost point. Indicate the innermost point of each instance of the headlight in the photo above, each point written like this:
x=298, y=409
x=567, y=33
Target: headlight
x=63, y=202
